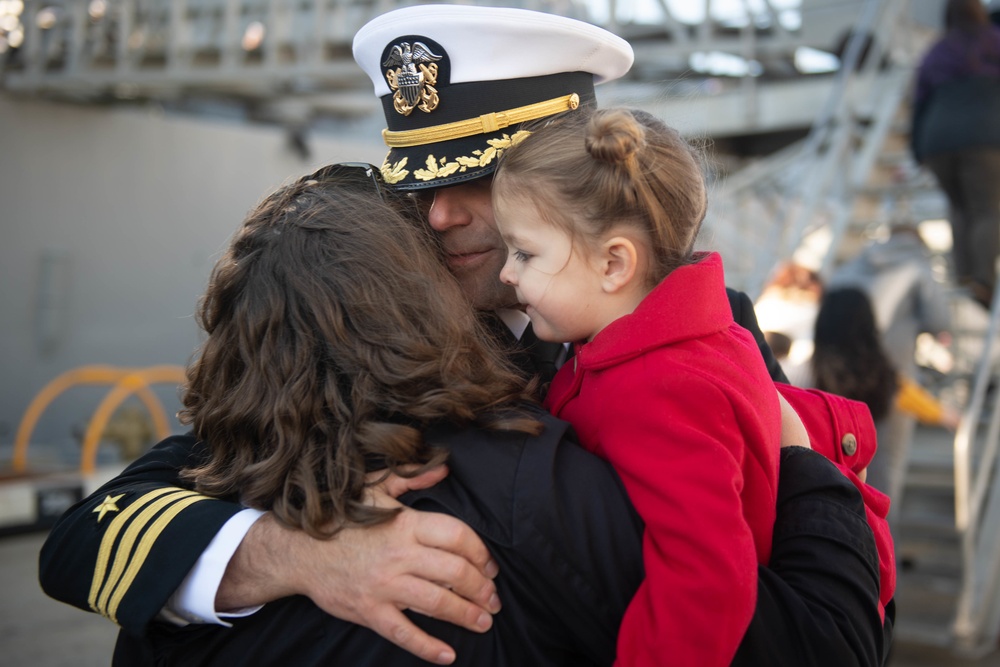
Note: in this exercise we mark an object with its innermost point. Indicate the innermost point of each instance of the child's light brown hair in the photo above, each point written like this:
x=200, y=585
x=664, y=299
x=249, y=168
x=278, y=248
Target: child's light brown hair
x=591, y=172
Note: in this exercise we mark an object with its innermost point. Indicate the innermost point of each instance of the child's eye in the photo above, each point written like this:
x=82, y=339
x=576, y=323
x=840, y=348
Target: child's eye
x=521, y=256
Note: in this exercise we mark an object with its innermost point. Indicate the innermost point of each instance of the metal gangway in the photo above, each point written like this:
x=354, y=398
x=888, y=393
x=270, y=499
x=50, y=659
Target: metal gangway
x=290, y=61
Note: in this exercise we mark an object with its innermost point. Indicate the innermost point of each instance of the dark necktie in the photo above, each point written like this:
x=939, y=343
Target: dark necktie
x=545, y=356
x=530, y=355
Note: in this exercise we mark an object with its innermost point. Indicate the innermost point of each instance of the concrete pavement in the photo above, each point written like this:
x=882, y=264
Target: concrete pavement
x=36, y=630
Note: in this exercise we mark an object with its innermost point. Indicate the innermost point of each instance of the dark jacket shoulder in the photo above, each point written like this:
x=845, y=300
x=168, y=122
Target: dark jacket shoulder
x=744, y=315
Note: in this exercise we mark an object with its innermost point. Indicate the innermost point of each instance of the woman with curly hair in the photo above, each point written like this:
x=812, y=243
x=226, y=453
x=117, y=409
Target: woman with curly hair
x=335, y=339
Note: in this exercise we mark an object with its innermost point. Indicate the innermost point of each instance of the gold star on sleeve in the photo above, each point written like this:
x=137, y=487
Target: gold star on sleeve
x=109, y=504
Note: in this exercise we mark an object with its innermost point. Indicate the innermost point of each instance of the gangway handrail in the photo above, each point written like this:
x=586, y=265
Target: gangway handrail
x=977, y=507
x=91, y=375
x=162, y=48
x=818, y=172
x=127, y=385
x=969, y=492
x=832, y=133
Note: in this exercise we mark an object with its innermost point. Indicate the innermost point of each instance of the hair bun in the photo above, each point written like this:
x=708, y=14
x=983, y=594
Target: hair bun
x=614, y=136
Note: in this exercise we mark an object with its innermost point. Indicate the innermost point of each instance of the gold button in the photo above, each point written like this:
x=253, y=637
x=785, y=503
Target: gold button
x=849, y=444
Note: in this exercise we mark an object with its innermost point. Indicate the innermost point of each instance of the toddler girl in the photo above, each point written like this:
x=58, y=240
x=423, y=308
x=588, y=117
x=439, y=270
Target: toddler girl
x=600, y=212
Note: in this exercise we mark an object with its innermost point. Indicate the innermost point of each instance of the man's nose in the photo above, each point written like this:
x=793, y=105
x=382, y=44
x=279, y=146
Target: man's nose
x=447, y=211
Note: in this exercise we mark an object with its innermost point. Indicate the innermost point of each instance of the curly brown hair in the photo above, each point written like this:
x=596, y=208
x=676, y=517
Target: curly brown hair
x=334, y=337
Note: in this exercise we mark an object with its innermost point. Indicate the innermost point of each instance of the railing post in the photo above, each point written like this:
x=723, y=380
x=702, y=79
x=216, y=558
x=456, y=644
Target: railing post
x=978, y=606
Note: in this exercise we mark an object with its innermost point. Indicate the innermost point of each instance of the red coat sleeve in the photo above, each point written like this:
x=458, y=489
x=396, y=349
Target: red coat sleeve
x=842, y=430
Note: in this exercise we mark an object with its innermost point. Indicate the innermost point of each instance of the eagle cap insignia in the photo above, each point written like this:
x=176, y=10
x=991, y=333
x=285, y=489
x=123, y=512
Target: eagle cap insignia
x=412, y=75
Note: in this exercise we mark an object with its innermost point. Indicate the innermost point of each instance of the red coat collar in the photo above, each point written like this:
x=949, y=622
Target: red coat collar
x=691, y=302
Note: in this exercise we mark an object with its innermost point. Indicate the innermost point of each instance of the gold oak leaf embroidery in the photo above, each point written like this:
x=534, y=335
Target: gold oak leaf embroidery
x=434, y=171
x=440, y=168
x=394, y=173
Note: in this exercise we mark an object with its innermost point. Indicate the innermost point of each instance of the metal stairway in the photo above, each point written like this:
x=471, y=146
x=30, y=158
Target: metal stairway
x=946, y=532
x=824, y=193
x=839, y=186
x=977, y=501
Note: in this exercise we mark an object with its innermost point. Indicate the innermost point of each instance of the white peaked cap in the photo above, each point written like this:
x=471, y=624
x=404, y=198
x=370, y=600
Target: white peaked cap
x=456, y=81
x=490, y=43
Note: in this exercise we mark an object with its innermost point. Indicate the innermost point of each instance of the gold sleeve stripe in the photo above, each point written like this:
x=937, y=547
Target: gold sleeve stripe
x=123, y=554
x=145, y=544
x=146, y=508
x=111, y=534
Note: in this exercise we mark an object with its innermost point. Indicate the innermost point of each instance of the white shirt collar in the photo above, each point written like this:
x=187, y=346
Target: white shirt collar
x=516, y=320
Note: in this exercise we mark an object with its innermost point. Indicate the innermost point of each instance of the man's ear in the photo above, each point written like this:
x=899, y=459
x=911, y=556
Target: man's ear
x=619, y=260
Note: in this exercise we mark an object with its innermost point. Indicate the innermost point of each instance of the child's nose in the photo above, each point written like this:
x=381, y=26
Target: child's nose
x=507, y=276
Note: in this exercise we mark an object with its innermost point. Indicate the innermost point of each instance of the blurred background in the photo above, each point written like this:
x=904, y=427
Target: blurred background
x=136, y=134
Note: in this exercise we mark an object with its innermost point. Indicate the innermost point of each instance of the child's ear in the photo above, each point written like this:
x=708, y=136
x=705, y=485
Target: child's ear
x=619, y=262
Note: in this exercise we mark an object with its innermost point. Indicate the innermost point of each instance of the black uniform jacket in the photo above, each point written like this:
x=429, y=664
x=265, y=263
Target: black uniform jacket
x=743, y=315
x=556, y=519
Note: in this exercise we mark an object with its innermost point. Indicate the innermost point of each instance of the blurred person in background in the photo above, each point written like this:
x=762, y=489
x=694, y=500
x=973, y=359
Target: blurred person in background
x=956, y=133
x=906, y=301
x=786, y=312
x=849, y=359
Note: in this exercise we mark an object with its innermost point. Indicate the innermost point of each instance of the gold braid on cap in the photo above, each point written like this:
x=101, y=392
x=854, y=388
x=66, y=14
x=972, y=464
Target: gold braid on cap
x=484, y=124
x=442, y=167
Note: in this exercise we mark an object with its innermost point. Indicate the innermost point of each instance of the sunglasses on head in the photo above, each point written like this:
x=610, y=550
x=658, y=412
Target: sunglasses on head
x=349, y=172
